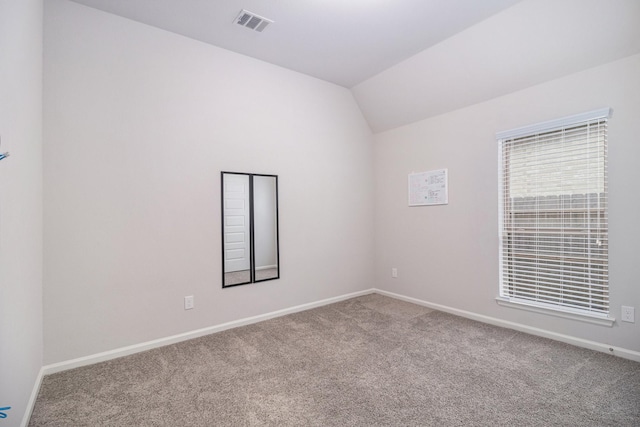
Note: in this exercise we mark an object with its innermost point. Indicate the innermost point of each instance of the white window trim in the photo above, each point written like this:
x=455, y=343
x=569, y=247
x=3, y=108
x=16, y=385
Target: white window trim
x=538, y=307
x=551, y=125
x=556, y=311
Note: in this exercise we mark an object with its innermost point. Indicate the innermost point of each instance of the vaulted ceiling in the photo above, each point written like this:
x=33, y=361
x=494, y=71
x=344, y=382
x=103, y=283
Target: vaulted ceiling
x=406, y=60
x=340, y=41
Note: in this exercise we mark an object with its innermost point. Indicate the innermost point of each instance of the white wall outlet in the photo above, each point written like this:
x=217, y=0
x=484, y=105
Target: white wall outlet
x=394, y=273
x=188, y=302
x=628, y=314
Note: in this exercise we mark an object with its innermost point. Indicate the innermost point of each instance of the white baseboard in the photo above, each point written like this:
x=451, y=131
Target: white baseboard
x=266, y=267
x=32, y=399
x=137, y=348
x=579, y=342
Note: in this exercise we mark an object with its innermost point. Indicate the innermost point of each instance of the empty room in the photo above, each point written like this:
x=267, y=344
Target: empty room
x=323, y=213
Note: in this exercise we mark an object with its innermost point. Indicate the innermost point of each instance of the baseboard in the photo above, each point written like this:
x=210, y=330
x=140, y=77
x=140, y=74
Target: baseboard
x=579, y=342
x=32, y=399
x=137, y=348
x=266, y=267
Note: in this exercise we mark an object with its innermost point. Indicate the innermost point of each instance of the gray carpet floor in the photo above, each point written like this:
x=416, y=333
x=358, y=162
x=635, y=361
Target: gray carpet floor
x=367, y=361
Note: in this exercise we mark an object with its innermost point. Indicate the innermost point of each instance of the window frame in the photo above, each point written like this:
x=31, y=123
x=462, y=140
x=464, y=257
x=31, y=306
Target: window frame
x=530, y=304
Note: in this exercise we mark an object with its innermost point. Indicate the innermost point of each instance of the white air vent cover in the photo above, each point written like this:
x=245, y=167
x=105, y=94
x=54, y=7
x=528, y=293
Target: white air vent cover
x=252, y=21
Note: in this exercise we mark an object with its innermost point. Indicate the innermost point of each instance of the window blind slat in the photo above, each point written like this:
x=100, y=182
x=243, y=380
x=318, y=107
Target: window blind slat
x=554, y=214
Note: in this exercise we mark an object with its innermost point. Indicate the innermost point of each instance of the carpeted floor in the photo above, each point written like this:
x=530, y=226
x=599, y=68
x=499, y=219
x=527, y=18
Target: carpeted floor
x=367, y=361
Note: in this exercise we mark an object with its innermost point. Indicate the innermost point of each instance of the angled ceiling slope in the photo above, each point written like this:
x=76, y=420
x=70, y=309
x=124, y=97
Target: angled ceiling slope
x=340, y=41
x=407, y=60
x=530, y=43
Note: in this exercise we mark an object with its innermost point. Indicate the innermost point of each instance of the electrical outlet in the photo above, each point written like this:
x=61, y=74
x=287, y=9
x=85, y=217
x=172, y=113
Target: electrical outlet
x=394, y=273
x=188, y=302
x=628, y=314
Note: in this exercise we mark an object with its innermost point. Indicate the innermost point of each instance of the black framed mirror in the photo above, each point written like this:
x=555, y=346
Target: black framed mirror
x=250, y=244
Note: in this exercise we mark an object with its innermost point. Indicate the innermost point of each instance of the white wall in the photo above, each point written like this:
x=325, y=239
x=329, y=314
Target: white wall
x=138, y=125
x=20, y=204
x=448, y=255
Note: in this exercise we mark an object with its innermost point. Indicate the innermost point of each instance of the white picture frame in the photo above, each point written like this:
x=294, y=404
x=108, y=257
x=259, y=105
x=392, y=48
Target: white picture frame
x=428, y=188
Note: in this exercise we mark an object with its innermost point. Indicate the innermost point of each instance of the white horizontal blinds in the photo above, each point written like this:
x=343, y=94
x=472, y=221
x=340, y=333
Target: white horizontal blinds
x=554, y=226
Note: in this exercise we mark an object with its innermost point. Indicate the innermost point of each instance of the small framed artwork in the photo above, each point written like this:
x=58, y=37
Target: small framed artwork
x=428, y=188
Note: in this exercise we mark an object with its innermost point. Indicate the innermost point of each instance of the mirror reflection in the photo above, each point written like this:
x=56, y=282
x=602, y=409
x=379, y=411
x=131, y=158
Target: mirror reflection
x=249, y=228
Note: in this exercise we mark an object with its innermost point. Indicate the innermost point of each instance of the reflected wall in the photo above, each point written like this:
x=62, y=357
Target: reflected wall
x=249, y=228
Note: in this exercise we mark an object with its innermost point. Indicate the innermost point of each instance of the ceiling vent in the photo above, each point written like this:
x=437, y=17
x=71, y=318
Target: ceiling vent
x=252, y=21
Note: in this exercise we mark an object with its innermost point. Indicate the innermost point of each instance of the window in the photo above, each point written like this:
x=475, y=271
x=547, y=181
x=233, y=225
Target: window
x=553, y=215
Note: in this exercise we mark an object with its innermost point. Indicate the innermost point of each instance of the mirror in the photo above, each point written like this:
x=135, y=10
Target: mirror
x=250, y=248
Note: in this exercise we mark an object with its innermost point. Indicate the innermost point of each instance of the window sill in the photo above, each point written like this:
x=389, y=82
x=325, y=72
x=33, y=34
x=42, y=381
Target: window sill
x=582, y=317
